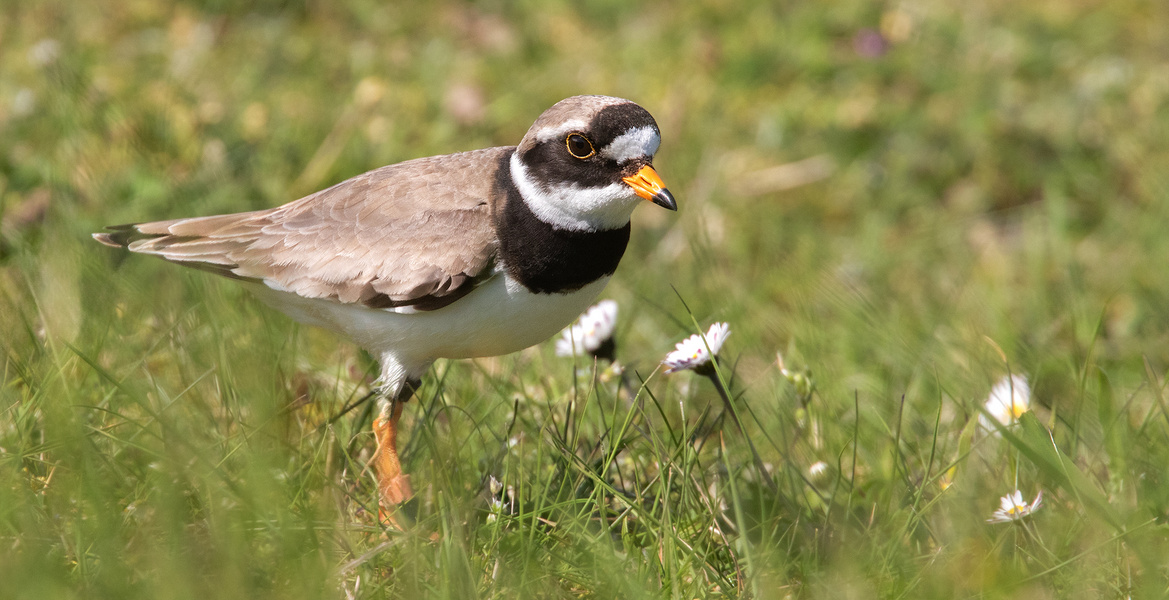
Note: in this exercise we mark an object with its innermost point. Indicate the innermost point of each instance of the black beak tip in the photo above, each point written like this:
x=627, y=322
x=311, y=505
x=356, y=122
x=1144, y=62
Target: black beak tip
x=665, y=200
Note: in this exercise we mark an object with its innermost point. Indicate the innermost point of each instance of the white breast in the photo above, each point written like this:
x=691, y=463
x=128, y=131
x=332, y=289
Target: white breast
x=499, y=317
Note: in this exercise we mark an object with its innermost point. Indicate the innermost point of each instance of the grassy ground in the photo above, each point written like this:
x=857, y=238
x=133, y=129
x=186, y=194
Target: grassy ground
x=911, y=200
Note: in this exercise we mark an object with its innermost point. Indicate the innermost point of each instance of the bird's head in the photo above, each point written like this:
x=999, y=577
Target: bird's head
x=587, y=162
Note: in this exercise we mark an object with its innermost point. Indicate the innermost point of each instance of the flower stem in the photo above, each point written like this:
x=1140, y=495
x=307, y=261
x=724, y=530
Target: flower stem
x=730, y=408
x=722, y=393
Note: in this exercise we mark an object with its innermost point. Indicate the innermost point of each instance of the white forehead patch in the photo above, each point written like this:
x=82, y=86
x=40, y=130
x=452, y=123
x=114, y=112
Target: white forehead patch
x=635, y=143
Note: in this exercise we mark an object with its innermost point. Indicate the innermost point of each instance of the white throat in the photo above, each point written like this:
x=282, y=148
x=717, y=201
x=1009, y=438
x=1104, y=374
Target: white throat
x=574, y=207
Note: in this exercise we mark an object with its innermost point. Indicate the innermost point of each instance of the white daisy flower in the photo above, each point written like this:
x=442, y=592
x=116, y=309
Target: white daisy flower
x=1008, y=400
x=692, y=353
x=1015, y=508
x=44, y=52
x=592, y=333
x=818, y=471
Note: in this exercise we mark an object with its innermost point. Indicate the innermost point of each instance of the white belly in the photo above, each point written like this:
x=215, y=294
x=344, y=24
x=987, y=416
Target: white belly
x=499, y=317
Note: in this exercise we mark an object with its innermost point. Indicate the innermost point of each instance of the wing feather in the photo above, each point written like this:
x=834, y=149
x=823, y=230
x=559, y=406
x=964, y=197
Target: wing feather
x=418, y=233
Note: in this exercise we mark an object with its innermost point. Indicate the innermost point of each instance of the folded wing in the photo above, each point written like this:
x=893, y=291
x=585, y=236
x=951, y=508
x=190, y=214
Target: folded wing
x=417, y=234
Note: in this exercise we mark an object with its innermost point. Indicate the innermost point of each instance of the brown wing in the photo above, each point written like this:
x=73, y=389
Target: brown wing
x=417, y=233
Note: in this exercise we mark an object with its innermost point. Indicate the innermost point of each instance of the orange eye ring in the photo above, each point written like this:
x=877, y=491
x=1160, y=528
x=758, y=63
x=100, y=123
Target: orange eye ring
x=579, y=146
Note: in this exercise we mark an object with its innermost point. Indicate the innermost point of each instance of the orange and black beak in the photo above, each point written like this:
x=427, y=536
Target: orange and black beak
x=648, y=185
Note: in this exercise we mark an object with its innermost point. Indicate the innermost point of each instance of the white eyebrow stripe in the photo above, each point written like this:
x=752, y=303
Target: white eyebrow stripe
x=565, y=128
x=635, y=143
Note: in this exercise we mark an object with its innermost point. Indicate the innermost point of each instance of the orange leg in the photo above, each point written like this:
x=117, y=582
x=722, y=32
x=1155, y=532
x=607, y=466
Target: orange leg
x=393, y=485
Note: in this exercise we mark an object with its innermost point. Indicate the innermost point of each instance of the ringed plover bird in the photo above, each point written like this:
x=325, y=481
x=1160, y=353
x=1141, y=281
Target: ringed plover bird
x=473, y=254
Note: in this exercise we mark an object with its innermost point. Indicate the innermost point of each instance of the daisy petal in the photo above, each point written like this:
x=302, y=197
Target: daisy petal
x=697, y=350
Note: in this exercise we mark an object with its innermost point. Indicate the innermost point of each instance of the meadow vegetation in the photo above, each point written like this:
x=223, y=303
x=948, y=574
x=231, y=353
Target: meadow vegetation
x=907, y=201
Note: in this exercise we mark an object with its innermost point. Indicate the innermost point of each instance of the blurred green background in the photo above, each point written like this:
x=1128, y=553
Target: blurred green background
x=908, y=199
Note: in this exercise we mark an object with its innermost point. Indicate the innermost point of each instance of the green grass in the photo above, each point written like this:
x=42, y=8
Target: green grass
x=988, y=195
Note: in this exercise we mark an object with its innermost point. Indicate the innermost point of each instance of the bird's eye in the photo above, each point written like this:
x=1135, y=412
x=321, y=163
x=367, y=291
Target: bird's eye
x=579, y=146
